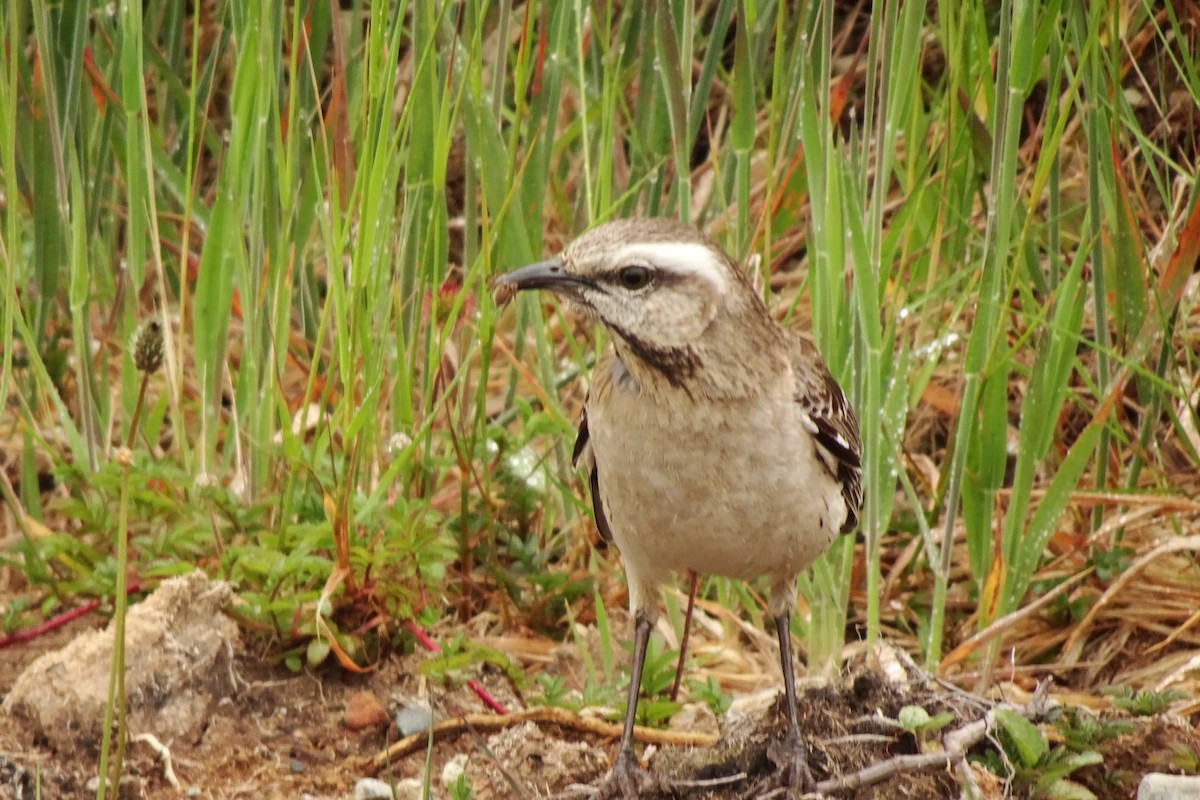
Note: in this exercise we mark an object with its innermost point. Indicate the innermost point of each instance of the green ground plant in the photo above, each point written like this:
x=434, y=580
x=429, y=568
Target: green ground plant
x=1037, y=768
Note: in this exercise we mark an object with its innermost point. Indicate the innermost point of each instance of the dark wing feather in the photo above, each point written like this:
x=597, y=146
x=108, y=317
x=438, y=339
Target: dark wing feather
x=598, y=507
x=833, y=426
x=581, y=451
x=581, y=438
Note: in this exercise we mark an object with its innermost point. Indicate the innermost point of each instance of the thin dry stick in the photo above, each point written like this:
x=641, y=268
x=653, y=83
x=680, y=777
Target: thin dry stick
x=957, y=742
x=164, y=754
x=1191, y=621
x=1074, y=644
x=546, y=716
x=1008, y=621
x=1158, y=502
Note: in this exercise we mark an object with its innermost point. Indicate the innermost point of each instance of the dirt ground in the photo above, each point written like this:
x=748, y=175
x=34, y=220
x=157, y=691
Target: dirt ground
x=264, y=732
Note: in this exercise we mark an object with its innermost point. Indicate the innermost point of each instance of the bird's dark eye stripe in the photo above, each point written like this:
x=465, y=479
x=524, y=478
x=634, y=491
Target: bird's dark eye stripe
x=634, y=276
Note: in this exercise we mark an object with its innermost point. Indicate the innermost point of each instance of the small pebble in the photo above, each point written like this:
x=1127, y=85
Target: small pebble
x=372, y=789
x=296, y=766
x=413, y=719
x=364, y=710
x=1159, y=786
x=94, y=783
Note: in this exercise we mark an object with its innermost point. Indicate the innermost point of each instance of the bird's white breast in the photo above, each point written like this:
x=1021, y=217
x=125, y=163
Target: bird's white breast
x=731, y=489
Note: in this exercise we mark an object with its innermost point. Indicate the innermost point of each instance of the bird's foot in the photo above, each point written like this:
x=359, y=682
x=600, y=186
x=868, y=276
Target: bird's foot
x=791, y=756
x=627, y=781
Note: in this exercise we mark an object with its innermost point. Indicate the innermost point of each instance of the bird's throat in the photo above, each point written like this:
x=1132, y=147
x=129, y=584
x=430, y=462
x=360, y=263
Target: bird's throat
x=649, y=364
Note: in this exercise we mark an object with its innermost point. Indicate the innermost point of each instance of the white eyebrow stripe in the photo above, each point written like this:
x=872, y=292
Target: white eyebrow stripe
x=680, y=257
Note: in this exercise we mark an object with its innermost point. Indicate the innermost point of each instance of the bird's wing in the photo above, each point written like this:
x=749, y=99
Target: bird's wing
x=830, y=419
x=581, y=455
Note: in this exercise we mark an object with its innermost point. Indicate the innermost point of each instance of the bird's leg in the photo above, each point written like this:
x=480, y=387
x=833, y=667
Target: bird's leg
x=627, y=780
x=693, y=584
x=796, y=755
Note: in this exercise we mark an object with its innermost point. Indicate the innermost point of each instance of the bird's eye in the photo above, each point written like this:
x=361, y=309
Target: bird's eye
x=634, y=277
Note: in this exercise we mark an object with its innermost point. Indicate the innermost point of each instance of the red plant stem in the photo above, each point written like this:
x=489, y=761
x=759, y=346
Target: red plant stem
x=56, y=622
x=476, y=686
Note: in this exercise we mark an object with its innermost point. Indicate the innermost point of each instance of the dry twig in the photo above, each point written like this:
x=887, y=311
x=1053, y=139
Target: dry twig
x=956, y=743
x=164, y=754
x=545, y=716
x=1074, y=644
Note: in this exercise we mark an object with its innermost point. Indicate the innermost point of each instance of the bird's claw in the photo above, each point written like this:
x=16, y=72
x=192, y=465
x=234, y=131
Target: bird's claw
x=791, y=756
x=627, y=781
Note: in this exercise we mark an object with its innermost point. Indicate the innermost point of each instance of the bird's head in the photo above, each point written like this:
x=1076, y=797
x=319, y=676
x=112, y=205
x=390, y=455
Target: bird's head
x=680, y=313
x=655, y=283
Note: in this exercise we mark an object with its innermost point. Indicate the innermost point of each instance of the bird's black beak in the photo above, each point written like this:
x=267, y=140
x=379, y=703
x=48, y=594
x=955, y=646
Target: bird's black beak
x=547, y=274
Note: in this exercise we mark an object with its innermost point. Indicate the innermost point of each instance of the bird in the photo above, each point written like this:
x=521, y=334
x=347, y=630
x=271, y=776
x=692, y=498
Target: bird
x=713, y=439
